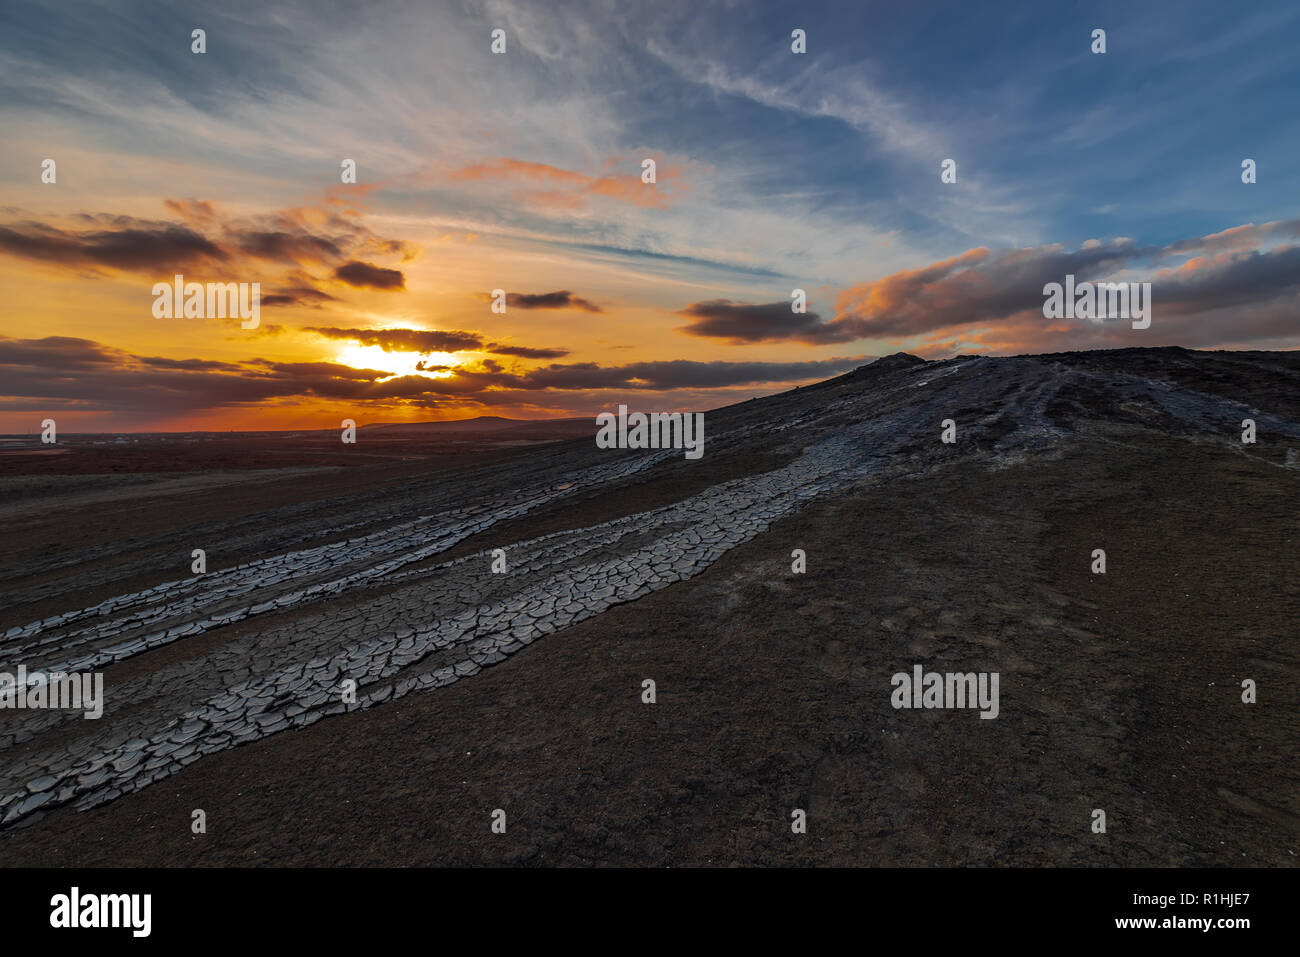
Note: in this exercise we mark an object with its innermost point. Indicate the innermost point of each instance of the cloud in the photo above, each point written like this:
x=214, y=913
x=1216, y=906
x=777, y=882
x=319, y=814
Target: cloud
x=526, y=352
x=63, y=353
x=321, y=370
x=739, y=323
x=190, y=365
x=90, y=377
x=671, y=374
x=407, y=340
x=435, y=340
x=541, y=184
x=206, y=238
x=366, y=275
x=192, y=210
x=282, y=246
x=982, y=287
x=298, y=296
x=562, y=299
x=841, y=93
x=139, y=246
x=1225, y=288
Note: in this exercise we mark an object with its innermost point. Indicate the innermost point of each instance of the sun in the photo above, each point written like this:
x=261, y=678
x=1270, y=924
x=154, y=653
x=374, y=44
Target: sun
x=398, y=363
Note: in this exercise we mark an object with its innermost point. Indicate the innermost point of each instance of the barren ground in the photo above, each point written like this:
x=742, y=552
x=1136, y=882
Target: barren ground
x=1119, y=691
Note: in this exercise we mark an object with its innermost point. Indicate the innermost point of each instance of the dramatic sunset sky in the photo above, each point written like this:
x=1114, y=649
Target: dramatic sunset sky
x=522, y=171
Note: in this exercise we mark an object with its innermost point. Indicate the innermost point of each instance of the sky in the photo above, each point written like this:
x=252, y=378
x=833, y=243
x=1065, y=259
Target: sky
x=522, y=171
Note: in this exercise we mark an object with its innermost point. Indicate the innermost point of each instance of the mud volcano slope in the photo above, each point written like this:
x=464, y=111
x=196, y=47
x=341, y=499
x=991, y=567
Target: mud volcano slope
x=523, y=690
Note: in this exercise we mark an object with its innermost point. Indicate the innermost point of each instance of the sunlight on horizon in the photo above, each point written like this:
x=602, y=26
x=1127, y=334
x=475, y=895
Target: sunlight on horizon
x=397, y=363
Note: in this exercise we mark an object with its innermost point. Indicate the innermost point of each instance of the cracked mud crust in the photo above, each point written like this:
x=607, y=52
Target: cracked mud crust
x=522, y=690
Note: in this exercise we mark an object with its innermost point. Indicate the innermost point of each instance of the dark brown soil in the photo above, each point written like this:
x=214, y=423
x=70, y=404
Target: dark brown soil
x=1118, y=692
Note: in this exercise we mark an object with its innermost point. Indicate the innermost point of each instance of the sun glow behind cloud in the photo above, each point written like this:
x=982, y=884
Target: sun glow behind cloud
x=397, y=363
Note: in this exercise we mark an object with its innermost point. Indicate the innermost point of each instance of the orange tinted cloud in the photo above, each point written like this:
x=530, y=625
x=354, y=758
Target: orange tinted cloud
x=544, y=185
x=1227, y=291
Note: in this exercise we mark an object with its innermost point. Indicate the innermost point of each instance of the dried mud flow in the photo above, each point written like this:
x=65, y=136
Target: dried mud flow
x=522, y=691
